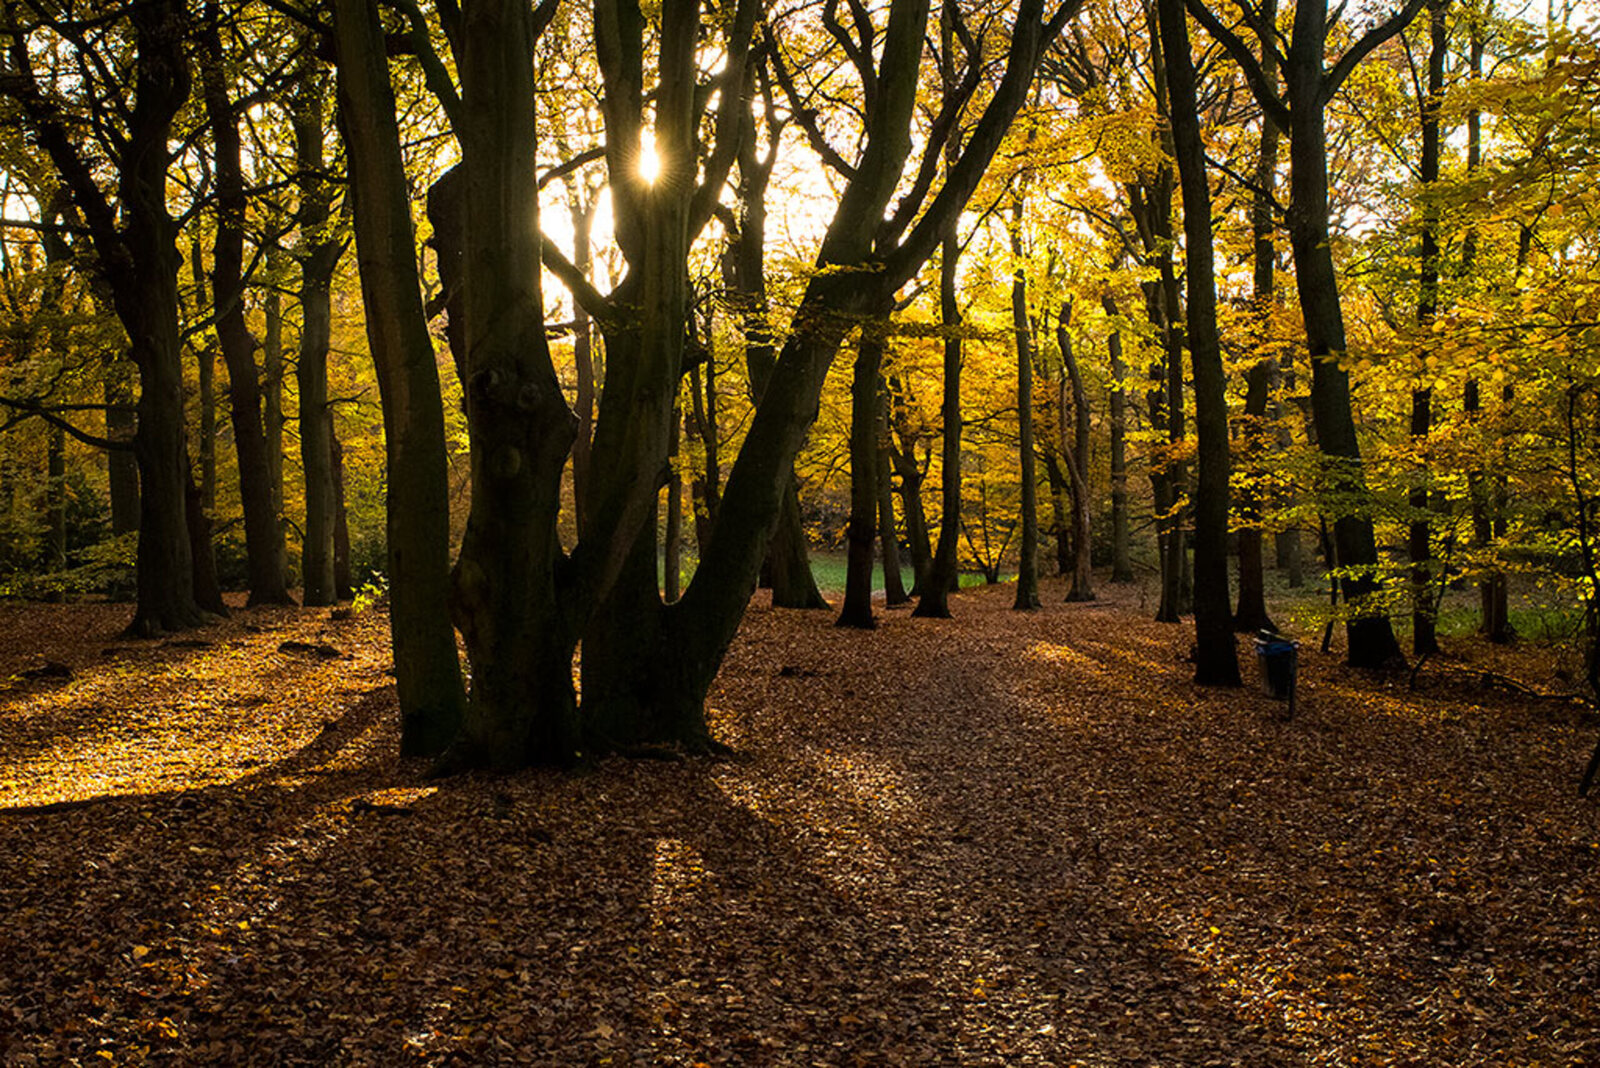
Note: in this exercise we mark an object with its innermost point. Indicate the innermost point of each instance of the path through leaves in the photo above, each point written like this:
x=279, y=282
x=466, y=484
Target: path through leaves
x=998, y=839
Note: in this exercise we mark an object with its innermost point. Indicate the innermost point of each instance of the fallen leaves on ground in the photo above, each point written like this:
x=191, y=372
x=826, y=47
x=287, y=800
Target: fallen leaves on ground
x=999, y=839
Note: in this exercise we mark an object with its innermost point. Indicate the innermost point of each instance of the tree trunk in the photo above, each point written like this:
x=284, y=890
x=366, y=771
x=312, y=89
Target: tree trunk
x=1028, y=551
x=1077, y=463
x=1424, y=622
x=672, y=557
x=707, y=487
x=894, y=589
x=207, y=366
x=582, y=216
x=146, y=298
x=902, y=443
x=862, y=531
x=677, y=670
x=1251, y=614
x=943, y=574
x=1371, y=639
x=1121, y=561
x=55, y=512
x=1494, y=623
x=122, y=469
x=787, y=567
x=1216, y=659
x=343, y=586
x=506, y=596
x=263, y=537
x=272, y=407
x=427, y=668
x=318, y=258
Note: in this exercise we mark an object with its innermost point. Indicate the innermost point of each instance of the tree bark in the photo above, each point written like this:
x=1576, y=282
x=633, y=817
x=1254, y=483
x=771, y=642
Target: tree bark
x=1216, y=659
x=894, y=589
x=902, y=443
x=427, y=667
x=862, y=530
x=343, y=586
x=1077, y=464
x=1028, y=552
x=1424, y=622
x=55, y=512
x=1309, y=85
x=506, y=595
x=1121, y=561
x=122, y=468
x=318, y=258
x=272, y=418
x=944, y=574
x=1371, y=641
x=263, y=537
x=706, y=490
x=672, y=557
x=694, y=633
x=1251, y=614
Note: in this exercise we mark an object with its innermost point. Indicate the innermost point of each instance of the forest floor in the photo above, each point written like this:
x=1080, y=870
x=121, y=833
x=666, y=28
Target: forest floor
x=1000, y=839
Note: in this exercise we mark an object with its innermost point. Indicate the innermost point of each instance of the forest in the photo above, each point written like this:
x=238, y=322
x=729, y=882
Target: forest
x=696, y=429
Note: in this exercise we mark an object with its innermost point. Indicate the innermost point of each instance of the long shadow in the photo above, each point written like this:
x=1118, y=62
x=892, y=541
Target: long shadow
x=862, y=889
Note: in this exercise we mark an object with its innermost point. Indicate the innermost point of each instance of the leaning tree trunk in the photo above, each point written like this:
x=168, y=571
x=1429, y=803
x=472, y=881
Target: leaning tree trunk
x=1216, y=659
x=696, y=631
x=427, y=666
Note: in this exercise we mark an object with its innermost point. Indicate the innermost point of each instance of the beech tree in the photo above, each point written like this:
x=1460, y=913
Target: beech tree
x=1309, y=84
x=1216, y=660
x=113, y=162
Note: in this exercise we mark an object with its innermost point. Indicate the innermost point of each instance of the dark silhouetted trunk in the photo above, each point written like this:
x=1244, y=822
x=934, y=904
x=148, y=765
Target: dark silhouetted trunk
x=1028, y=550
x=1216, y=659
x=934, y=599
x=672, y=554
x=862, y=530
x=263, y=537
x=894, y=588
x=122, y=469
x=55, y=510
x=1251, y=613
x=427, y=666
x=787, y=566
x=318, y=257
x=343, y=584
x=706, y=489
x=272, y=406
x=902, y=443
x=1309, y=85
x=1424, y=617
